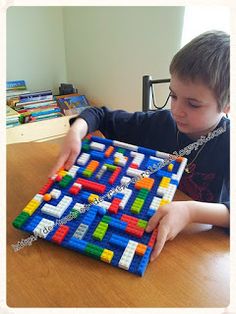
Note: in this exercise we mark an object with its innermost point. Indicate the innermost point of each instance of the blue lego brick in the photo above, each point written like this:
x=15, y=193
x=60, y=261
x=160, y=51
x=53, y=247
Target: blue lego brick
x=146, y=151
x=102, y=140
x=118, y=240
x=144, y=262
x=97, y=155
x=175, y=182
x=116, y=236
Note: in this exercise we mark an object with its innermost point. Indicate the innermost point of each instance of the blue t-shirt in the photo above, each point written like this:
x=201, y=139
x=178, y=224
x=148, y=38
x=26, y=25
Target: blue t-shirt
x=208, y=180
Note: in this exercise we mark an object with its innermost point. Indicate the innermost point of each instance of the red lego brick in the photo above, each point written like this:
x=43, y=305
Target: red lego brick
x=135, y=231
x=114, y=175
x=74, y=190
x=91, y=186
x=129, y=219
x=88, y=136
x=133, y=165
x=46, y=187
x=153, y=238
x=60, y=234
x=114, y=207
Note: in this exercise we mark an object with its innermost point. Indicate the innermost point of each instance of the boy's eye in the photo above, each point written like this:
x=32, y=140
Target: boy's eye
x=192, y=105
x=173, y=96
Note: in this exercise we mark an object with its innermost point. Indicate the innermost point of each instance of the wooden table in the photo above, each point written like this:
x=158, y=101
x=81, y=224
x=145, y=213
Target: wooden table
x=192, y=270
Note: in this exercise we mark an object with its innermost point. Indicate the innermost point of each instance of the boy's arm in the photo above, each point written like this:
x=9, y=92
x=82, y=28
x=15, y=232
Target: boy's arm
x=174, y=217
x=117, y=124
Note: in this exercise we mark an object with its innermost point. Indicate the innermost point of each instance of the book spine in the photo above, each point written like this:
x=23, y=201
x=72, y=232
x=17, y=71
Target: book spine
x=36, y=94
x=15, y=85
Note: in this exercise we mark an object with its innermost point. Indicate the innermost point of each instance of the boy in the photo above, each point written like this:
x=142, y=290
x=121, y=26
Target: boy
x=199, y=91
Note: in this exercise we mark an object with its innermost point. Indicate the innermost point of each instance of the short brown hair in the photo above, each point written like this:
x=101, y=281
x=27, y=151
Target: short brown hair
x=206, y=58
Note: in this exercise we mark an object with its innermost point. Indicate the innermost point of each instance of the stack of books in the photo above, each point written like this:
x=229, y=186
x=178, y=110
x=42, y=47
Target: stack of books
x=12, y=117
x=40, y=105
x=37, y=106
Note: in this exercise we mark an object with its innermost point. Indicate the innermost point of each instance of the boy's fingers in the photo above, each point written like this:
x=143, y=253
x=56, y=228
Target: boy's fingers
x=152, y=223
x=60, y=162
x=160, y=242
x=71, y=160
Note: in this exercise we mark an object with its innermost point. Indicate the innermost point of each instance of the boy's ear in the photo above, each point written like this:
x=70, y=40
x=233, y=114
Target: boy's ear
x=226, y=109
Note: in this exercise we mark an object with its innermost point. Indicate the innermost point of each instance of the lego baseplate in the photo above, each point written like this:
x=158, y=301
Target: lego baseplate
x=101, y=206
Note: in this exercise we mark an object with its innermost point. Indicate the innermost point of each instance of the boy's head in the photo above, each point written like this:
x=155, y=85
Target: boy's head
x=206, y=60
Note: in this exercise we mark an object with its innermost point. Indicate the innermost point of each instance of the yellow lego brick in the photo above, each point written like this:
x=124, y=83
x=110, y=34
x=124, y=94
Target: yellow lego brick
x=62, y=173
x=170, y=167
x=116, y=160
x=31, y=207
x=107, y=256
x=163, y=202
x=92, y=197
x=165, y=182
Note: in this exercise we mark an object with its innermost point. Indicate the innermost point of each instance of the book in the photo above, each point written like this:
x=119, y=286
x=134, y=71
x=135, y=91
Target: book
x=72, y=104
x=12, y=117
x=35, y=97
x=16, y=85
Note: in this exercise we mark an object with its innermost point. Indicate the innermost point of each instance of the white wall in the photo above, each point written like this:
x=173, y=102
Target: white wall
x=109, y=49
x=105, y=51
x=35, y=47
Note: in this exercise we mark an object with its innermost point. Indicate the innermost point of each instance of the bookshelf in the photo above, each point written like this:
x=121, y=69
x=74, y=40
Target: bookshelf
x=38, y=131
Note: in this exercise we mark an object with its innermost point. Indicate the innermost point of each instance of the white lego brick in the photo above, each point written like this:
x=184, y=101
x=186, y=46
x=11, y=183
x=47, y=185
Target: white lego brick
x=125, y=145
x=121, y=162
x=101, y=172
x=161, y=191
x=79, y=207
x=181, y=168
x=57, y=211
x=83, y=159
x=105, y=204
x=156, y=159
x=81, y=231
x=97, y=146
x=43, y=228
x=170, y=192
x=155, y=203
x=128, y=255
x=162, y=155
x=125, y=180
x=118, y=155
x=132, y=172
x=55, y=193
x=38, y=198
x=73, y=170
x=127, y=193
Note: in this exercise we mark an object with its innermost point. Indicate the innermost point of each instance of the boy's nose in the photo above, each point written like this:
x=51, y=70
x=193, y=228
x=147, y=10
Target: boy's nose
x=178, y=110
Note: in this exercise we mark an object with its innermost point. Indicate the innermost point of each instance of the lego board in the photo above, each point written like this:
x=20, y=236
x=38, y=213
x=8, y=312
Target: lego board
x=101, y=206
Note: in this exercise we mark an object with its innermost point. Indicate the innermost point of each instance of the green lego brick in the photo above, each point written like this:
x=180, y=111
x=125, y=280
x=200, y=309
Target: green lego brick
x=75, y=213
x=106, y=219
x=135, y=210
x=93, y=250
x=100, y=231
x=20, y=219
x=121, y=150
x=87, y=173
x=65, y=180
x=85, y=147
x=142, y=223
x=110, y=167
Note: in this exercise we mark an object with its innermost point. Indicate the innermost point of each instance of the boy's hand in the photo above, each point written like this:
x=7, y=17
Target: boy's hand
x=71, y=146
x=70, y=150
x=171, y=219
